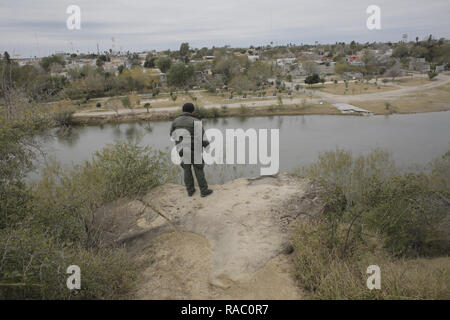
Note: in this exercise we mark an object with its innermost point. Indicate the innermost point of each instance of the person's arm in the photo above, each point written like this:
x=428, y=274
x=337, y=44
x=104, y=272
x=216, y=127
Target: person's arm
x=172, y=129
x=205, y=142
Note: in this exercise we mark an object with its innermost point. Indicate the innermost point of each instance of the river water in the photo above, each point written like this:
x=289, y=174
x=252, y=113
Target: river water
x=412, y=139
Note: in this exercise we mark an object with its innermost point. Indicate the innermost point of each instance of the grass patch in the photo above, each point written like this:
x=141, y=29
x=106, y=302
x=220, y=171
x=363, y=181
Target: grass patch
x=355, y=88
x=416, y=81
x=431, y=100
x=324, y=274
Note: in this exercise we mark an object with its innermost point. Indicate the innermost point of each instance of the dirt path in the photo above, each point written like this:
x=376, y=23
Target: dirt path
x=234, y=244
x=393, y=94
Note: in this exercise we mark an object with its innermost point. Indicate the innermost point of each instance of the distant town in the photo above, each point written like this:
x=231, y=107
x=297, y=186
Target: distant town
x=112, y=80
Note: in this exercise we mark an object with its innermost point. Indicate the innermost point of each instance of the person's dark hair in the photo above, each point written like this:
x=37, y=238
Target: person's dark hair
x=188, y=107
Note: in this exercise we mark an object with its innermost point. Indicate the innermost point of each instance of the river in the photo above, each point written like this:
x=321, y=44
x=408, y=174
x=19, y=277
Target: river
x=411, y=138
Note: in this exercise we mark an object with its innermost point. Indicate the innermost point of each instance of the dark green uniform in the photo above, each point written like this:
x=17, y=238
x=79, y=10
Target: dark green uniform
x=186, y=121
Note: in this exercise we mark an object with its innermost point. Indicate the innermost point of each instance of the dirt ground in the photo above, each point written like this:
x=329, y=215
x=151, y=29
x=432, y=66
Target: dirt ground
x=234, y=244
x=180, y=268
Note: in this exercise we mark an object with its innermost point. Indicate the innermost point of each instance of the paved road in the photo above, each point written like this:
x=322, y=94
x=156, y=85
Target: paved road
x=316, y=96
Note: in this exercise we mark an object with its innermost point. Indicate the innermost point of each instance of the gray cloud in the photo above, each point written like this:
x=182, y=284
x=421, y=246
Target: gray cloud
x=39, y=27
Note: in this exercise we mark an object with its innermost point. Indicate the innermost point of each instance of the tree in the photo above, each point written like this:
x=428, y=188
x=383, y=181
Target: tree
x=147, y=106
x=432, y=75
x=242, y=83
x=135, y=99
x=126, y=102
x=353, y=46
x=184, y=52
x=164, y=64
x=420, y=52
x=210, y=88
x=173, y=96
x=99, y=62
x=6, y=57
x=309, y=67
x=229, y=65
x=150, y=61
x=289, y=78
x=393, y=72
x=280, y=100
x=134, y=61
x=179, y=75
x=401, y=51
x=114, y=104
x=46, y=62
x=259, y=72
x=312, y=79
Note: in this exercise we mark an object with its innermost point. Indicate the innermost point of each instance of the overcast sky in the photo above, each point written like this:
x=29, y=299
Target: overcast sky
x=39, y=27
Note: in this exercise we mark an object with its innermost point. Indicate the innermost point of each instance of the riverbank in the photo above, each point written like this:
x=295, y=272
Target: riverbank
x=377, y=108
x=432, y=96
x=244, y=111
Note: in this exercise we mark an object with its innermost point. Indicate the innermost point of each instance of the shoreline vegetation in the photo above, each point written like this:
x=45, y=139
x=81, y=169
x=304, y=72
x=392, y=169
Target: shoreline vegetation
x=376, y=214
x=203, y=113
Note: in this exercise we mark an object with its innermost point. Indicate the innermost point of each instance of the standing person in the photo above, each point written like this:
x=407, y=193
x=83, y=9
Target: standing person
x=186, y=121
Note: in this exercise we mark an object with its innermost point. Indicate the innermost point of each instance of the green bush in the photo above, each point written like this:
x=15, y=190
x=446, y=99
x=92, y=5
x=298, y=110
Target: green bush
x=324, y=274
x=126, y=102
x=376, y=214
x=63, y=118
x=48, y=225
x=406, y=208
x=410, y=214
x=211, y=89
x=202, y=113
x=121, y=170
x=215, y=112
x=34, y=267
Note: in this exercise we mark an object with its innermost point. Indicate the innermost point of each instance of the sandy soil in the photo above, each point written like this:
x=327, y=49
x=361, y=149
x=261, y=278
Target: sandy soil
x=234, y=244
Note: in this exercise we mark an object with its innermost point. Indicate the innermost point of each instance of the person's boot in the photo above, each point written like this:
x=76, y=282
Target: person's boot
x=191, y=193
x=206, y=193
